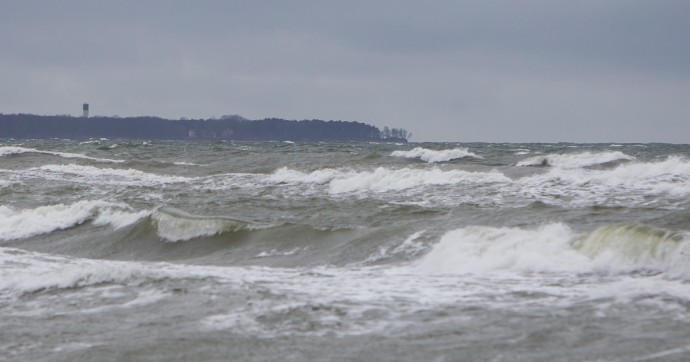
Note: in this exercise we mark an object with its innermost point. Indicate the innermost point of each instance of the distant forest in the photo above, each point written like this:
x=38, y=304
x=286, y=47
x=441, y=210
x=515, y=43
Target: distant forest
x=226, y=128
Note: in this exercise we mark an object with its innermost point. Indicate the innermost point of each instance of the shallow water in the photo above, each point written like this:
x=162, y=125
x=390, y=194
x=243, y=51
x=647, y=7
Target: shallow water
x=150, y=250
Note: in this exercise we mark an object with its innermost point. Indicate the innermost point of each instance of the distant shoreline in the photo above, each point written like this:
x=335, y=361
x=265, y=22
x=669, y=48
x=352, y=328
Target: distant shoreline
x=227, y=128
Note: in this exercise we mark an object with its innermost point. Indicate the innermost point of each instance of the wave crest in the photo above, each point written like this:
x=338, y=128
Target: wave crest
x=478, y=249
x=575, y=160
x=639, y=243
x=433, y=156
x=555, y=248
x=114, y=175
x=13, y=150
x=174, y=225
x=20, y=224
x=384, y=179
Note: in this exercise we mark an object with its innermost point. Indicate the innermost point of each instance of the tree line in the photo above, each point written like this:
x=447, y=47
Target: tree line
x=227, y=127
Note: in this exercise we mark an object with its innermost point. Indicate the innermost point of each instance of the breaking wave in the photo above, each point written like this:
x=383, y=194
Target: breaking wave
x=660, y=183
x=433, y=156
x=670, y=177
x=575, y=160
x=383, y=179
x=4, y=183
x=113, y=175
x=170, y=224
x=630, y=241
x=20, y=224
x=174, y=225
x=555, y=248
x=30, y=272
x=13, y=150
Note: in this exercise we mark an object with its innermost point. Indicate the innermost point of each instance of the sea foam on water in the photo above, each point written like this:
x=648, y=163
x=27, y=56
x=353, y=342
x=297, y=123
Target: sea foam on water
x=555, y=248
x=533, y=251
x=433, y=156
x=20, y=224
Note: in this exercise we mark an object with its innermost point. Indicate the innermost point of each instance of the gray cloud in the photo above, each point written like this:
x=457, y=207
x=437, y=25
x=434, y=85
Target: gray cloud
x=592, y=71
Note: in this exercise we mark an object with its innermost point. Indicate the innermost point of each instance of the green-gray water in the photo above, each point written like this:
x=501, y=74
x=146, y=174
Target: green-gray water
x=150, y=250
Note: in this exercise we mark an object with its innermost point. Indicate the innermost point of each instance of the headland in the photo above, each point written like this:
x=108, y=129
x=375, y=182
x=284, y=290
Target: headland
x=224, y=128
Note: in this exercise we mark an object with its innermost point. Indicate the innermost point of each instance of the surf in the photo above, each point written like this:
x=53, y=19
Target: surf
x=435, y=156
x=556, y=249
x=16, y=150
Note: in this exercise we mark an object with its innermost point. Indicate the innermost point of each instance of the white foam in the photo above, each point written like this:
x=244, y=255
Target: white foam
x=433, y=156
x=575, y=160
x=286, y=175
x=27, y=272
x=7, y=151
x=521, y=152
x=479, y=249
x=143, y=298
x=71, y=347
x=119, y=218
x=276, y=252
x=383, y=179
x=289, y=302
x=112, y=175
x=555, y=248
x=5, y=183
x=671, y=175
x=633, y=183
x=181, y=163
x=19, y=224
x=630, y=182
x=411, y=246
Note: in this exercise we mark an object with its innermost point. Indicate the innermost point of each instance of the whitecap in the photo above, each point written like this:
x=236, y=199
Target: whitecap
x=20, y=224
x=182, y=163
x=434, y=156
x=555, y=248
x=480, y=249
x=383, y=179
x=112, y=175
x=118, y=218
x=575, y=160
x=670, y=176
x=7, y=151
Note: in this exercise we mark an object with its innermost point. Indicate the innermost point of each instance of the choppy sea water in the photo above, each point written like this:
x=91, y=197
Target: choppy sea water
x=149, y=250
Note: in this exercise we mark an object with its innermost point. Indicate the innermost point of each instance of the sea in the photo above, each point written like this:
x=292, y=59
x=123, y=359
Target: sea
x=147, y=250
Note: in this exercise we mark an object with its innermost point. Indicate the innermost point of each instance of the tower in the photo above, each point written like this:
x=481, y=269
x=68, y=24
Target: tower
x=85, y=108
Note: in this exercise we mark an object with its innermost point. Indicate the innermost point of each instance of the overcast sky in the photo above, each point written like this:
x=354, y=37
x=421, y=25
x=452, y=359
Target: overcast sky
x=497, y=71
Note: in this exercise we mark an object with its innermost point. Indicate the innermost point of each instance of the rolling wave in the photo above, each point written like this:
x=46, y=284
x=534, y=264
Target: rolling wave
x=100, y=229
x=170, y=224
x=383, y=179
x=555, y=248
x=575, y=160
x=627, y=184
x=111, y=175
x=30, y=272
x=434, y=156
x=629, y=181
x=175, y=225
x=13, y=150
x=21, y=224
x=638, y=242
